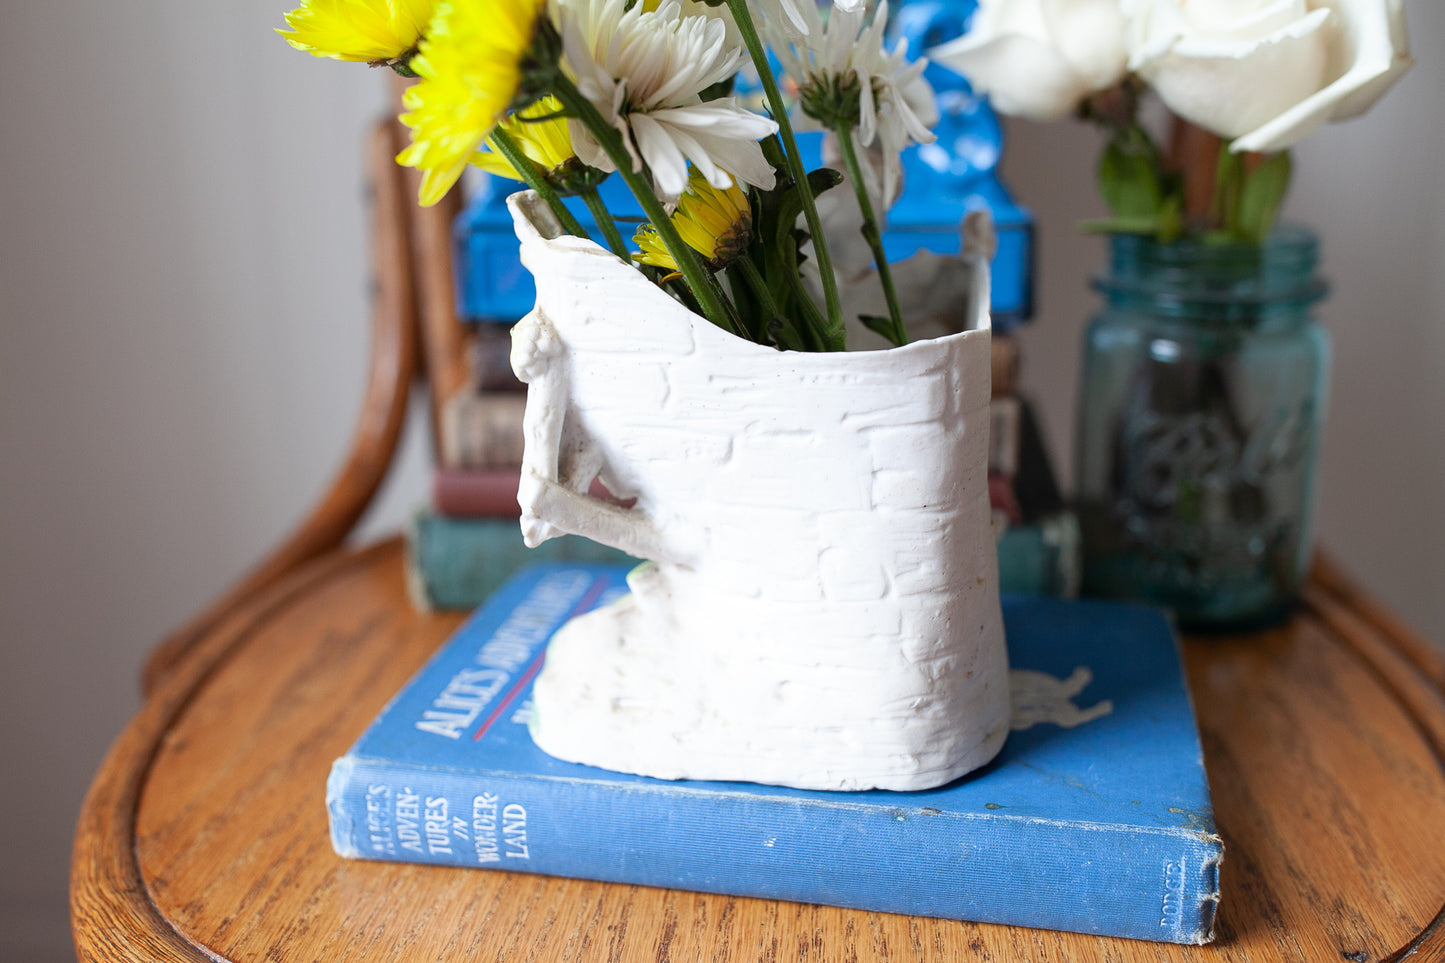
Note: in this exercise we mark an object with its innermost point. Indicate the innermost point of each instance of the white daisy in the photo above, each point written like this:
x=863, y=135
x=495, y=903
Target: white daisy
x=701, y=8
x=836, y=60
x=906, y=108
x=792, y=12
x=645, y=72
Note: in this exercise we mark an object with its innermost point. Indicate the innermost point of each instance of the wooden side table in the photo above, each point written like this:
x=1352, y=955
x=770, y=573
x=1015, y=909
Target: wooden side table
x=204, y=834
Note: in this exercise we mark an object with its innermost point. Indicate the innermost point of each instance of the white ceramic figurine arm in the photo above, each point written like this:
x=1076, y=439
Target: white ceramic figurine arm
x=534, y=345
x=553, y=492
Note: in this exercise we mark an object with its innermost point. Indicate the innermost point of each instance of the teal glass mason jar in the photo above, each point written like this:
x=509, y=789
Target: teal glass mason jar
x=1201, y=408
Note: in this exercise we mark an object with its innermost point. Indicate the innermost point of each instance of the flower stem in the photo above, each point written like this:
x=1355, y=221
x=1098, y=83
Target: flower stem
x=686, y=258
x=744, y=267
x=870, y=231
x=533, y=178
x=834, y=335
x=735, y=322
x=606, y=224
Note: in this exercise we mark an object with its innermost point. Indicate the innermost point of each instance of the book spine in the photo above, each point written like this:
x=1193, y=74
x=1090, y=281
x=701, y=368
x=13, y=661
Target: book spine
x=984, y=868
x=1003, y=436
x=1035, y=485
x=458, y=563
x=489, y=353
x=476, y=493
x=1042, y=558
x=1003, y=366
x=482, y=430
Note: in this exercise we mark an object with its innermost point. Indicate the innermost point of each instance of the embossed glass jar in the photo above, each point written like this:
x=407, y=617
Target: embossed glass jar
x=1201, y=407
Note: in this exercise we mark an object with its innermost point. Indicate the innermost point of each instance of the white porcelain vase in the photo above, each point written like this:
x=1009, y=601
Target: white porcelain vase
x=821, y=606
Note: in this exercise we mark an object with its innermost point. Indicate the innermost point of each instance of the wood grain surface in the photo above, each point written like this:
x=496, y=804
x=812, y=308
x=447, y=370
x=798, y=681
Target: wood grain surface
x=204, y=836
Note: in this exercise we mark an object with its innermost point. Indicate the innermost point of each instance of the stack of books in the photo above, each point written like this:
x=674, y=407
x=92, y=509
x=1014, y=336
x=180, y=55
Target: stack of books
x=469, y=541
x=480, y=432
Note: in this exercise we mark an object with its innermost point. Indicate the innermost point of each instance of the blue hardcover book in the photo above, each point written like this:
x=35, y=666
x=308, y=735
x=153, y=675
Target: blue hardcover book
x=1100, y=826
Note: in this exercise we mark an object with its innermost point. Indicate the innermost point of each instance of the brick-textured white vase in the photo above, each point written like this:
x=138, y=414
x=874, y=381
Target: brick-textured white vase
x=821, y=609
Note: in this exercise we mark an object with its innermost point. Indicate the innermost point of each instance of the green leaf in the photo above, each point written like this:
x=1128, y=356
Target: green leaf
x=824, y=178
x=1128, y=179
x=775, y=155
x=1228, y=179
x=1260, y=198
x=878, y=325
x=1171, y=217
x=721, y=89
x=775, y=250
x=790, y=202
x=815, y=326
x=809, y=322
x=1141, y=196
x=1149, y=224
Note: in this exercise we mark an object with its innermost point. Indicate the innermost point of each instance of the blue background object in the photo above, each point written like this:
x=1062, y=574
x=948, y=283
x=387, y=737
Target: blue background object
x=943, y=181
x=1103, y=828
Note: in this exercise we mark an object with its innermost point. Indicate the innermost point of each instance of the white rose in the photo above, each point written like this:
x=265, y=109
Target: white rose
x=1040, y=58
x=1267, y=73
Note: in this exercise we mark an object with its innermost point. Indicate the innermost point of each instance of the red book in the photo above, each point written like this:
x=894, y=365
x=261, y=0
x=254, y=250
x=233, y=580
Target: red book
x=492, y=493
x=1001, y=497
x=476, y=492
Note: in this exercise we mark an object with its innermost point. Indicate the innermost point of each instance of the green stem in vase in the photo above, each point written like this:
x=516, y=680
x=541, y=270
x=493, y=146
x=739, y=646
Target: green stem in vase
x=533, y=178
x=745, y=269
x=605, y=223
x=735, y=322
x=685, y=257
x=833, y=336
x=895, y=334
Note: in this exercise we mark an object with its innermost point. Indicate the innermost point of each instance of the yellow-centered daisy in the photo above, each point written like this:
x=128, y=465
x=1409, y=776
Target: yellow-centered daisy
x=540, y=131
x=368, y=31
x=715, y=222
x=542, y=134
x=473, y=67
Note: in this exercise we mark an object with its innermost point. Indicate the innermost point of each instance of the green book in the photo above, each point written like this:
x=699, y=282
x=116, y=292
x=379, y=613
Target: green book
x=1042, y=558
x=458, y=563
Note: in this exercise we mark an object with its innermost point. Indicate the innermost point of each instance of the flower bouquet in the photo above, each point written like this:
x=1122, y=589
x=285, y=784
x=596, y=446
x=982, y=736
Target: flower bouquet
x=1203, y=387
x=820, y=605
x=561, y=94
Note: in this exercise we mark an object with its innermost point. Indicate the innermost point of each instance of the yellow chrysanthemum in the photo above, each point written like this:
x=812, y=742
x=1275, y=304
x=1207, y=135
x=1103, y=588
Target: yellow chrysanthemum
x=471, y=68
x=715, y=222
x=654, y=252
x=369, y=31
x=540, y=131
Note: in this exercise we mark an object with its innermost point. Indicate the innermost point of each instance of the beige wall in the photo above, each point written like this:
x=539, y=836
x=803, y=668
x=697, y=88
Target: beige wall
x=183, y=328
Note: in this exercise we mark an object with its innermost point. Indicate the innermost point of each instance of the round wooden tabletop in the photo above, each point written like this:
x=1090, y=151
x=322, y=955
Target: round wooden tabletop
x=204, y=835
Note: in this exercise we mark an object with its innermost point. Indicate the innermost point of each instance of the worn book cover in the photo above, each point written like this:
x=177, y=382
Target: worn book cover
x=476, y=492
x=481, y=429
x=457, y=563
x=1095, y=817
